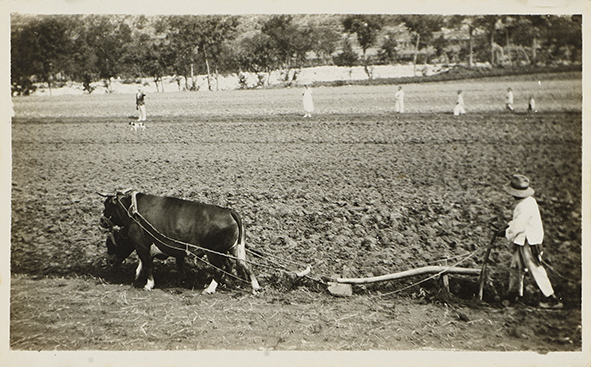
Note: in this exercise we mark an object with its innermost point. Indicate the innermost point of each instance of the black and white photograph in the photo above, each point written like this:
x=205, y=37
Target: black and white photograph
x=294, y=185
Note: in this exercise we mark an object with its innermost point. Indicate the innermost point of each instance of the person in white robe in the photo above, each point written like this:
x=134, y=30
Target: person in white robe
x=308, y=102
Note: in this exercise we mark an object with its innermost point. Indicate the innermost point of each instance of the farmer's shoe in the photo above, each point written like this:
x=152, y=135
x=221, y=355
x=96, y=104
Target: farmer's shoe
x=551, y=302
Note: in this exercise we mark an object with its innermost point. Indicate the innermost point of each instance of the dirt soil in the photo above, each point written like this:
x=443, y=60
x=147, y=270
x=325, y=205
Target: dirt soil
x=350, y=194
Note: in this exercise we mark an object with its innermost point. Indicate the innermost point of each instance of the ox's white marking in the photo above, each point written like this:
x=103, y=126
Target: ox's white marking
x=149, y=284
x=211, y=288
x=138, y=270
x=156, y=253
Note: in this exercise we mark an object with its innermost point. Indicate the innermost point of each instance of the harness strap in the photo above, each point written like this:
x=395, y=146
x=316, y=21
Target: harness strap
x=133, y=206
x=138, y=218
x=133, y=213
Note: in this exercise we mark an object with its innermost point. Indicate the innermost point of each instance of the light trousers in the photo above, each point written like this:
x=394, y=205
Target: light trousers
x=523, y=258
x=142, y=113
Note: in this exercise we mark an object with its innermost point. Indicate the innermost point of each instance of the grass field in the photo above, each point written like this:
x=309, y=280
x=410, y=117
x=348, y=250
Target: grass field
x=554, y=93
x=355, y=190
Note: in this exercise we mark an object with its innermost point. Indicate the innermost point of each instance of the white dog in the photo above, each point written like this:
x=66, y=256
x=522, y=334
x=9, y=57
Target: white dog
x=135, y=125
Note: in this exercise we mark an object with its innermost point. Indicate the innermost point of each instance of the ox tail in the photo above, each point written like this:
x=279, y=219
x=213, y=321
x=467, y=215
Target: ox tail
x=241, y=242
x=240, y=252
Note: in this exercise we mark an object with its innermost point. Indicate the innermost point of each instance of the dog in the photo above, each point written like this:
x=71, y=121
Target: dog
x=137, y=125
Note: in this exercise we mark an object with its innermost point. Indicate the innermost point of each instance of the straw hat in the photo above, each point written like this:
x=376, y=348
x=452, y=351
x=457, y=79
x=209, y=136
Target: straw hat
x=519, y=187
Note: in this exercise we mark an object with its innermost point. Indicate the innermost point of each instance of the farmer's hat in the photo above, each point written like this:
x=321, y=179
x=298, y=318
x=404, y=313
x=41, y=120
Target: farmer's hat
x=519, y=187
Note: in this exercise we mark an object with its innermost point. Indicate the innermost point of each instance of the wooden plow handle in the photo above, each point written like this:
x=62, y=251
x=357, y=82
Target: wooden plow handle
x=484, y=265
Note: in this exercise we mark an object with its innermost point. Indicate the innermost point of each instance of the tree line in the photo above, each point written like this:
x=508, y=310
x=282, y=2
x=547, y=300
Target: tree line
x=54, y=49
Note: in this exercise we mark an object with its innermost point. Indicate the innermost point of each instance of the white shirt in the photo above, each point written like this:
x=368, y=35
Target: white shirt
x=399, y=95
x=509, y=97
x=526, y=223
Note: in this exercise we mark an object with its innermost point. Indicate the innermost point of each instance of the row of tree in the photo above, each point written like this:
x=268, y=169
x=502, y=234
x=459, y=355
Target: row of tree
x=89, y=48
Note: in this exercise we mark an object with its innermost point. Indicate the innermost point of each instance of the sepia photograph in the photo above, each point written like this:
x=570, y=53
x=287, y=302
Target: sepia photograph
x=294, y=185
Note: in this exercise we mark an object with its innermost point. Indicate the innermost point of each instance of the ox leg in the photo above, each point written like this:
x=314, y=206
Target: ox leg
x=146, y=264
x=240, y=253
x=149, y=282
x=138, y=271
x=218, y=262
x=180, y=264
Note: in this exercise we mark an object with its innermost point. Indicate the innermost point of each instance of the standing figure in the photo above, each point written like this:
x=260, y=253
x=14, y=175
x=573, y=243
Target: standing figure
x=509, y=99
x=308, y=103
x=140, y=104
x=526, y=233
x=531, y=106
x=399, y=97
x=459, y=108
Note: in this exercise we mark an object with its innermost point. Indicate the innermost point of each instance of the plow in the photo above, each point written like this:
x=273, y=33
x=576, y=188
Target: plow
x=337, y=286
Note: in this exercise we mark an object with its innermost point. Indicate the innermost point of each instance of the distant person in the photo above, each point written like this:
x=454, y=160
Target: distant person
x=308, y=103
x=399, y=98
x=526, y=233
x=509, y=100
x=140, y=104
x=531, y=106
x=459, y=108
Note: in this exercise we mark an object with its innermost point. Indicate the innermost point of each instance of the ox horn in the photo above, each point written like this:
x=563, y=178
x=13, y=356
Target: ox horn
x=103, y=195
x=125, y=191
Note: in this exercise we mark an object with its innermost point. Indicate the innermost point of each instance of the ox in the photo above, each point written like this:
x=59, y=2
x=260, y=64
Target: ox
x=176, y=227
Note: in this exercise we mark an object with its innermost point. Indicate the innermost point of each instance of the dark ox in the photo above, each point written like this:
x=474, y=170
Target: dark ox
x=176, y=226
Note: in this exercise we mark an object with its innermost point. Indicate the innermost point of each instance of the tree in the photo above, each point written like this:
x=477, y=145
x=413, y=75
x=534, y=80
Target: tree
x=257, y=53
x=488, y=24
x=423, y=26
x=387, y=52
x=347, y=57
x=462, y=21
x=25, y=57
x=323, y=42
x=103, y=43
x=366, y=27
x=39, y=48
x=290, y=42
x=184, y=36
x=214, y=31
x=565, y=37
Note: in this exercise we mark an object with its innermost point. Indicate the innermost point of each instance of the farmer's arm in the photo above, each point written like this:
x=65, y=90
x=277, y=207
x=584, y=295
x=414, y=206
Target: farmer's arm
x=516, y=230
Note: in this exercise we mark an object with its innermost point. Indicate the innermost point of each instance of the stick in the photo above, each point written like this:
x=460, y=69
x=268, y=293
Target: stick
x=484, y=264
x=409, y=273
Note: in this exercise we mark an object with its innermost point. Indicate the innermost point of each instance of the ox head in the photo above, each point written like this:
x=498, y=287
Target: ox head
x=118, y=245
x=115, y=210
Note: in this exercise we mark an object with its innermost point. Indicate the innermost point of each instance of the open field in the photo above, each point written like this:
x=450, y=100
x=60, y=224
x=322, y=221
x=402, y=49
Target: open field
x=356, y=189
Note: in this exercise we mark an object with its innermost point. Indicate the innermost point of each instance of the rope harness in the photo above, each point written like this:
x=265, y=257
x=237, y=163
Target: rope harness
x=134, y=214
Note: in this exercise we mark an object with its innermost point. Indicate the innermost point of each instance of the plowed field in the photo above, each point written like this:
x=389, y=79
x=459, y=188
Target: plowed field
x=355, y=191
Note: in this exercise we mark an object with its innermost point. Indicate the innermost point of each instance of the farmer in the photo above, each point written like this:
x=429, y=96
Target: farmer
x=531, y=106
x=399, y=98
x=526, y=233
x=140, y=104
x=509, y=100
x=459, y=108
x=308, y=103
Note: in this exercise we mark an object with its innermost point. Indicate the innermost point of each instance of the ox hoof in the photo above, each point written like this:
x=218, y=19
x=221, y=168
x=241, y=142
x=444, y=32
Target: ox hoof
x=149, y=285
